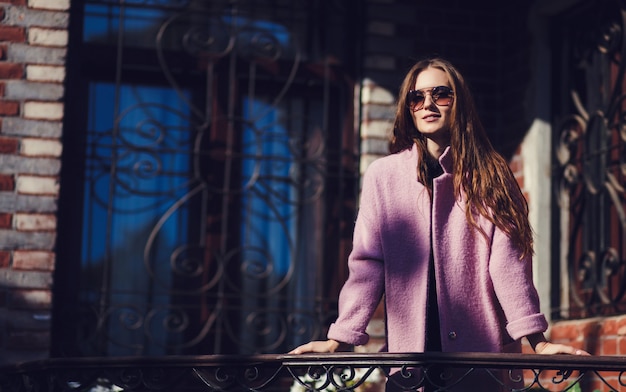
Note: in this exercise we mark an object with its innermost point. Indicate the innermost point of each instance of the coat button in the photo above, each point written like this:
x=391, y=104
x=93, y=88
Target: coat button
x=452, y=335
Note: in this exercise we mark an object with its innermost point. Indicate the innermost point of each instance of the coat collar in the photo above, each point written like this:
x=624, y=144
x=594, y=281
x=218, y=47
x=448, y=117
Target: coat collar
x=445, y=160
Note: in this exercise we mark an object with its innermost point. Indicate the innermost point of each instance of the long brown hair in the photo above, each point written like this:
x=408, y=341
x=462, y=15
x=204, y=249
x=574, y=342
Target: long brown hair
x=480, y=173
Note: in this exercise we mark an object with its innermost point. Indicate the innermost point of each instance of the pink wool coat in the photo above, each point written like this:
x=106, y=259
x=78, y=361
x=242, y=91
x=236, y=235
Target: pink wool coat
x=486, y=297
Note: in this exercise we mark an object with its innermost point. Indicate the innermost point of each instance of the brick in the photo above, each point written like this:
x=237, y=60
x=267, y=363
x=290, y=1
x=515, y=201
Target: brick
x=609, y=346
x=22, y=127
x=13, y=2
x=621, y=346
x=41, y=147
x=621, y=325
x=5, y=259
x=564, y=332
x=60, y=5
x=589, y=328
x=609, y=327
x=45, y=73
x=7, y=183
x=9, y=108
x=35, y=222
x=21, y=90
x=23, y=53
x=43, y=110
x=13, y=202
x=375, y=146
x=372, y=93
x=36, y=17
x=12, y=164
x=35, y=185
x=376, y=129
x=33, y=260
x=6, y=220
x=25, y=279
x=47, y=37
x=373, y=112
x=12, y=240
x=8, y=145
x=11, y=71
x=12, y=34
x=30, y=299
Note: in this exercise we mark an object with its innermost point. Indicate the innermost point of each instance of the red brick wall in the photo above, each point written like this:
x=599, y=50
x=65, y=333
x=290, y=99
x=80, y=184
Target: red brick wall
x=598, y=336
x=32, y=61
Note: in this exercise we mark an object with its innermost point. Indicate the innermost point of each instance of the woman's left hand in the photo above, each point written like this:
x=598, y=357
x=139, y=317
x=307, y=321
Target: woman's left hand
x=547, y=348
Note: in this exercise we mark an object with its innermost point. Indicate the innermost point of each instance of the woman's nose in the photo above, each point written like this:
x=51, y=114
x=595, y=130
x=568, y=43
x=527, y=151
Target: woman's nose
x=428, y=101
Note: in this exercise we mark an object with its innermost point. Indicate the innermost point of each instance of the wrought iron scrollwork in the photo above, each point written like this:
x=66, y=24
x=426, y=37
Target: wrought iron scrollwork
x=591, y=152
x=231, y=141
x=320, y=373
x=233, y=378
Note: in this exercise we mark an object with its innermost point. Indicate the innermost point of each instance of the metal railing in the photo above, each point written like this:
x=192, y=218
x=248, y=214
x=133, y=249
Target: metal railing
x=320, y=372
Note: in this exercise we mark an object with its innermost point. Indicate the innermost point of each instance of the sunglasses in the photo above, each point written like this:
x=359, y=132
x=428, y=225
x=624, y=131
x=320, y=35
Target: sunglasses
x=441, y=96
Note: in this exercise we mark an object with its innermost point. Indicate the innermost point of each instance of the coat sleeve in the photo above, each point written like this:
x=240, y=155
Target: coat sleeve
x=514, y=288
x=364, y=287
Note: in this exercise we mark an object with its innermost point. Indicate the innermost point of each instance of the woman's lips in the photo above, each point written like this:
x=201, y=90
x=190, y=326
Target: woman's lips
x=431, y=117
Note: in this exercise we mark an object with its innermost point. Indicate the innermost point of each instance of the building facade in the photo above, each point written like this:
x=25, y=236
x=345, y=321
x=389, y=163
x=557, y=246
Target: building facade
x=182, y=176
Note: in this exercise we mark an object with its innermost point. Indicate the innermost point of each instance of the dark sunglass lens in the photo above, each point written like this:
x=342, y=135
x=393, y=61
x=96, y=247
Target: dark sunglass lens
x=441, y=91
x=415, y=98
x=442, y=95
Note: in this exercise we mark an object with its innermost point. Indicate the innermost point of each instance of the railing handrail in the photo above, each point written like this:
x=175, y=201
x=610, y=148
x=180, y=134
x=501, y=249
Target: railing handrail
x=467, y=359
x=260, y=372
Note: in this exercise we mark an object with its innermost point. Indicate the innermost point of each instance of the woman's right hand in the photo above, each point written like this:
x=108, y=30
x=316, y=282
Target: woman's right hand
x=320, y=346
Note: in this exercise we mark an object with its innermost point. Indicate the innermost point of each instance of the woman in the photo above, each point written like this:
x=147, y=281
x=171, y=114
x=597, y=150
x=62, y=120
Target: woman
x=443, y=232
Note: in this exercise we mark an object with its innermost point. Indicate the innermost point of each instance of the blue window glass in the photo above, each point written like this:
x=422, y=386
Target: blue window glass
x=209, y=179
x=137, y=173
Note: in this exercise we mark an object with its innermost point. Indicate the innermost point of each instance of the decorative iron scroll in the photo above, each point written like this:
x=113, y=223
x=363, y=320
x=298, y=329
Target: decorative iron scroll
x=245, y=165
x=591, y=157
x=324, y=372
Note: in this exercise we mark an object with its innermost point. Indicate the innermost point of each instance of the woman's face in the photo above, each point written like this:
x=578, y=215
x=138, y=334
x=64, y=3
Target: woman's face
x=433, y=119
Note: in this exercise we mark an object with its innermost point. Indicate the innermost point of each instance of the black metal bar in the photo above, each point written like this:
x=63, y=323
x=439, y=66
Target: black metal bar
x=276, y=372
x=487, y=360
